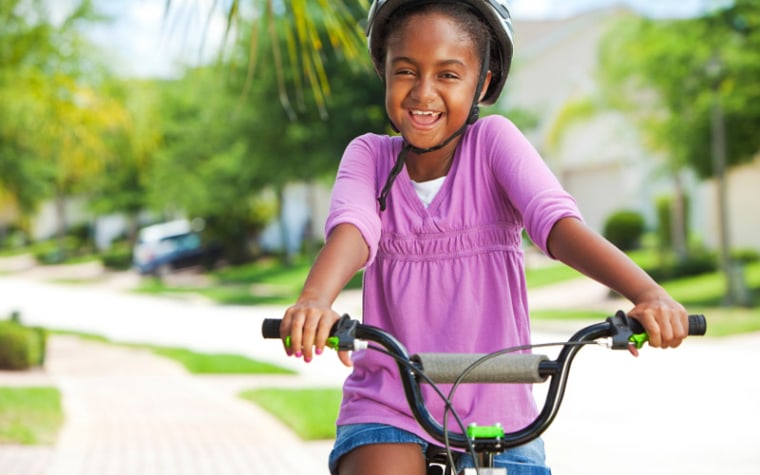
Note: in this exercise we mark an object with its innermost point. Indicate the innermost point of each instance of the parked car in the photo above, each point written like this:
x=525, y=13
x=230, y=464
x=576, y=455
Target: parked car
x=162, y=248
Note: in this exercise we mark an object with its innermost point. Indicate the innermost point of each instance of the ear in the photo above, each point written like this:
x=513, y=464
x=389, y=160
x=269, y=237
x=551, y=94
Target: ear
x=486, y=83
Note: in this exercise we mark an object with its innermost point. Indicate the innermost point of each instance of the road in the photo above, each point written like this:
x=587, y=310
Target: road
x=694, y=410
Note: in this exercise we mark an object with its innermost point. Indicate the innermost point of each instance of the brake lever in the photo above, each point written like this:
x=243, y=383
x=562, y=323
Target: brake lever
x=343, y=334
x=623, y=338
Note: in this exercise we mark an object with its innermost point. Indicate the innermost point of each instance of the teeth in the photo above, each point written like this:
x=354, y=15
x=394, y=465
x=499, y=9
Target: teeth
x=424, y=113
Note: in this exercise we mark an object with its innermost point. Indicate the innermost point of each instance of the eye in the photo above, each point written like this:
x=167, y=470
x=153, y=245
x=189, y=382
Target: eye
x=449, y=75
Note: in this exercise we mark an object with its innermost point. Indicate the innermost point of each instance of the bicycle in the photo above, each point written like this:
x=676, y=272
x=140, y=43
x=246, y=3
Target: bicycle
x=484, y=442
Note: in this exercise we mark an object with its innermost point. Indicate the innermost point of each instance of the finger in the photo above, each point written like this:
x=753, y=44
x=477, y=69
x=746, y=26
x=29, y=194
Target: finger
x=345, y=358
x=285, y=325
x=323, y=332
x=667, y=339
x=652, y=328
x=309, y=336
x=296, y=333
x=680, y=327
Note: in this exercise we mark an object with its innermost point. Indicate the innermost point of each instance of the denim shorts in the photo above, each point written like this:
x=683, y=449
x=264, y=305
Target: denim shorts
x=528, y=459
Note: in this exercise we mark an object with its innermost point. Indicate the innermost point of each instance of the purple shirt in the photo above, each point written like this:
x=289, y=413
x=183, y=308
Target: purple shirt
x=449, y=277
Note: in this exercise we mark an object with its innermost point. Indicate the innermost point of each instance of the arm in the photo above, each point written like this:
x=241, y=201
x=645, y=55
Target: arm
x=309, y=320
x=664, y=319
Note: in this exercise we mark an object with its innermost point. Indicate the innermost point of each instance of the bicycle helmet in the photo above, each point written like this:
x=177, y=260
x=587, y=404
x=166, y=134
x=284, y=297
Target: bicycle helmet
x=494, y=12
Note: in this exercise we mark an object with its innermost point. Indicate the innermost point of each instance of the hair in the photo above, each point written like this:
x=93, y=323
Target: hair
x=471, y=23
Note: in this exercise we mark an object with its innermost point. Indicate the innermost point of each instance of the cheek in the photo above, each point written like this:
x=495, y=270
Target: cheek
x=392, y=96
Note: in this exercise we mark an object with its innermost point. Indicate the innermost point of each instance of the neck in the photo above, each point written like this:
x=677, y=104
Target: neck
x=430, y=165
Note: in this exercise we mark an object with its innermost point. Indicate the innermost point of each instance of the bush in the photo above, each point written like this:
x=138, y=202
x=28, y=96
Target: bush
x=21, y=347
x=117, y=257
x=53, y=251
x=745, y=256
x=696, y=263
x=664, y=205
x=624, y=229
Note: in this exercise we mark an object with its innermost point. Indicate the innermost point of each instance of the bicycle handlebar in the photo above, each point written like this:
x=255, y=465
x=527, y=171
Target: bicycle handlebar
x=492, y=368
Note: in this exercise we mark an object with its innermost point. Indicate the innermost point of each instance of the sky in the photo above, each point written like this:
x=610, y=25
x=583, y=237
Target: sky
x=141, y=42
x=543, y=9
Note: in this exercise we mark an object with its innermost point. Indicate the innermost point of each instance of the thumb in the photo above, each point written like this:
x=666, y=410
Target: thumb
x=345, y=358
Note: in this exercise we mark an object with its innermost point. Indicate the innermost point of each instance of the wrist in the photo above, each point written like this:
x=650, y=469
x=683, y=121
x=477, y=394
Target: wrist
x=313, y=298
x=650, y=294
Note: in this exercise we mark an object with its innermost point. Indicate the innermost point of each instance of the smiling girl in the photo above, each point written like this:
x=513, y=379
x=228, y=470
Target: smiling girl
x=435, y=216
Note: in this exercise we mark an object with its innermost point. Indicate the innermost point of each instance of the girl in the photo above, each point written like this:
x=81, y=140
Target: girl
x=434, y=216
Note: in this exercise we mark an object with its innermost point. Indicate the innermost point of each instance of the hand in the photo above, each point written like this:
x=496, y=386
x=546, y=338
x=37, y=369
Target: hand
x=308, y=324
x=665, y=320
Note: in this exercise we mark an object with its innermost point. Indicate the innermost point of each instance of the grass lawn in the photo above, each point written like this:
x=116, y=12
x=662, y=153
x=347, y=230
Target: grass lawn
x=218, y=363
x=262, y=282
x=30, y=416
x=550, y=274
x=310, y=413
x=268, y=282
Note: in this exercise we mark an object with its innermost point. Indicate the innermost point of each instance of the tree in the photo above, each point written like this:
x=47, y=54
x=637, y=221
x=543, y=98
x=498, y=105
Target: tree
x=122, y=185
x=55, y=118
x=221, y=148
x=23, y=49
x=676, y=73
x=293, y=35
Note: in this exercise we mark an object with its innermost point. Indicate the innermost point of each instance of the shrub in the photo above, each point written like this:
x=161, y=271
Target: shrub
x=699, y=261
x=664, y=205
x=17, y=350
x=745, y=256
x=624, y=229
x=21, y=347
x=117, y=257
x=55, y=251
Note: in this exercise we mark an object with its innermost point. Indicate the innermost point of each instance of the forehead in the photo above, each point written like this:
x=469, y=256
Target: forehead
x=426, y=30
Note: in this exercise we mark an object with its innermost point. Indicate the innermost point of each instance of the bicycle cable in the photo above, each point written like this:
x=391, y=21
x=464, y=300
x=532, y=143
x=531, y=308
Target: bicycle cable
x=482, y=360
x=448, y=401
x=449, y=407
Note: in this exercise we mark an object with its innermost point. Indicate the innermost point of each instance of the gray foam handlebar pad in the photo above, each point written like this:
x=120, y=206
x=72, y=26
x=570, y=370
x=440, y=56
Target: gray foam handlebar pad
x=446, y=368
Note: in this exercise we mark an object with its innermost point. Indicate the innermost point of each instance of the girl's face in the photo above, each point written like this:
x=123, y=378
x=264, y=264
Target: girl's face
x=431, y=72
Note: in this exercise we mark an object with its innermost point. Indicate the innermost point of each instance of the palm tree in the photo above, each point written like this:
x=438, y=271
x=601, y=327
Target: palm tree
x=303, y=48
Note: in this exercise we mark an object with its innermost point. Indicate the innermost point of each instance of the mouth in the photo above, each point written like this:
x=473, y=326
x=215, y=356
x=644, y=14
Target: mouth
x=424, y=118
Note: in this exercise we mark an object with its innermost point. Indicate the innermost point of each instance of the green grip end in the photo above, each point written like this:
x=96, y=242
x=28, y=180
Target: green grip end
x=333, y=342
x=638, y=340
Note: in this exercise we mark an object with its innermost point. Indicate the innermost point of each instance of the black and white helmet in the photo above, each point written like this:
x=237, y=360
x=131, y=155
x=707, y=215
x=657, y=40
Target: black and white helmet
x=494, y=12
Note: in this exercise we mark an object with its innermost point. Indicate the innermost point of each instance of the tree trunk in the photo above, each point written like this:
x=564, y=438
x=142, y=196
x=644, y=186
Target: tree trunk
x=678, y=225
x=60, y=213
x=736, y=293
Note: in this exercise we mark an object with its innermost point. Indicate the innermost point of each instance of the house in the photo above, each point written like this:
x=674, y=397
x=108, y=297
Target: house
x=599, y=160
x=743, y=199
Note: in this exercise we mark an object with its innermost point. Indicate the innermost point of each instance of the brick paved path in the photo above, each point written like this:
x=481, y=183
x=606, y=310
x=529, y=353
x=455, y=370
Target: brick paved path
x=130, y=412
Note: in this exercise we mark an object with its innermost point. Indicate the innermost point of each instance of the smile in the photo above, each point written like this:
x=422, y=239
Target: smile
x=424, y=117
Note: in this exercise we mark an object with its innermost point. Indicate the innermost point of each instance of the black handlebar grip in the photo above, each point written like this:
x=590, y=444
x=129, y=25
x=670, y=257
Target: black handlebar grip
x=270, y=327
x=697, y=325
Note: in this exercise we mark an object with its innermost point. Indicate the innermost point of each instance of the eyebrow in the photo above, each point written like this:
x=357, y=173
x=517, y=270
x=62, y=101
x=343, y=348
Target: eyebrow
x=447, y=62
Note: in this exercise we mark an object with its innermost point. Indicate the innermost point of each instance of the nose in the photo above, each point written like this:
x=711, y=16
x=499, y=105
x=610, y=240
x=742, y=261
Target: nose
x=424, y=89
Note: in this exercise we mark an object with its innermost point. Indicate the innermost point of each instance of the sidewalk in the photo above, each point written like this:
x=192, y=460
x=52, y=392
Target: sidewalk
x=130, y=412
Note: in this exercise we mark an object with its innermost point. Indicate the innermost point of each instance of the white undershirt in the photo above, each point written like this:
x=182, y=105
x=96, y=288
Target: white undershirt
x=427, y=190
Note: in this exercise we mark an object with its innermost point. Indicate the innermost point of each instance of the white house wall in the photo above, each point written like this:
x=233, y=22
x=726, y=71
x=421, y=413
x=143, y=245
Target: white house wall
x=744, y=208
